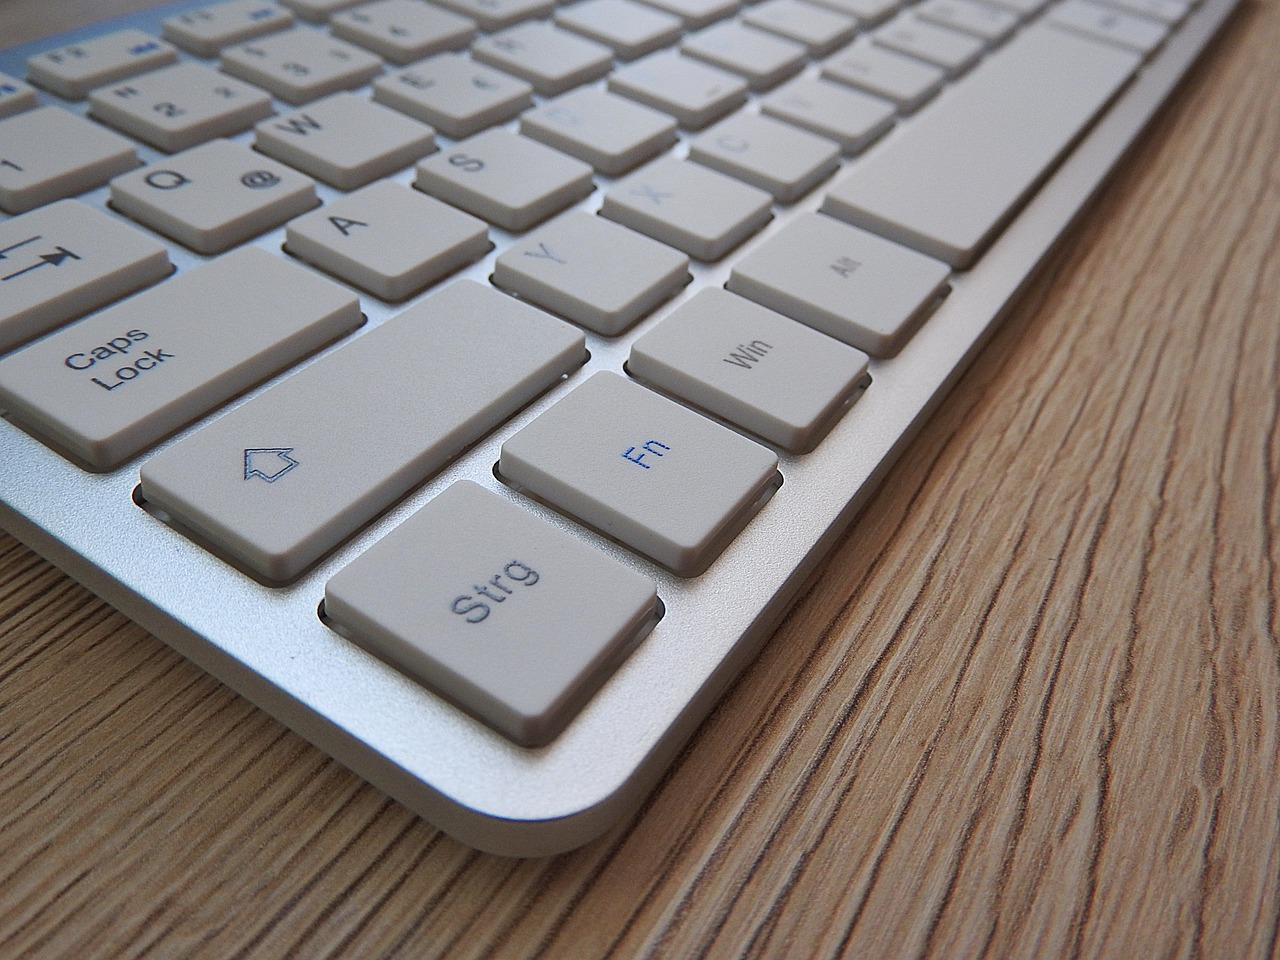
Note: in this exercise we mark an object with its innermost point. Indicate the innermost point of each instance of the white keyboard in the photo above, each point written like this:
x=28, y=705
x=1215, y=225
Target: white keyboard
x=473, y=384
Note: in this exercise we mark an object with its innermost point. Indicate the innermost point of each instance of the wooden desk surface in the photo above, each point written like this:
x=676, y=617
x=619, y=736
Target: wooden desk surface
x=1029, y=708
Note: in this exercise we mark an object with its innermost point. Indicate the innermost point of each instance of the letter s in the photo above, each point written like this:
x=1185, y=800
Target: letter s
x=478, y=606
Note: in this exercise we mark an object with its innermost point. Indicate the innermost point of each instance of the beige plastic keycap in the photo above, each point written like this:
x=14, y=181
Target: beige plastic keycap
x=694, y=93
x=346, y=140
x=213, y=196
x=763, y=59
x=851, y=118
x=819, y=29
x=300, y=65
x=74, y=70
x=64, y=260
x=768, y=154
x=551, y=59
x=15, y=96
x=866, y=12
x=687, y=206
x=111, y=385
x=206, y=30
x=495, y=610
x=753, y=367
x=180, y=106
x=496, y=14
x=904, y=80
x=403, y=31
x=507, y=179
x=947, y=49
x=318, y=11
x=696, y=14
x=282, y=479
x=980, y=19
x=49, y=153
x=388, y=239
x=630, y=29
x=850, y=284
x=454, y=94
x=595, y=273
x=664, y=480
x=609, y=132
x=1129, y=30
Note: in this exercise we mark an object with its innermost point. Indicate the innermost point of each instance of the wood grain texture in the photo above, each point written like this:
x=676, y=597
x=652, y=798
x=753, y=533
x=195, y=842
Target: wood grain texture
x=1029, y=708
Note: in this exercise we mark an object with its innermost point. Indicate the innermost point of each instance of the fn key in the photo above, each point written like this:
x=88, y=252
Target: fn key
x=497, y=611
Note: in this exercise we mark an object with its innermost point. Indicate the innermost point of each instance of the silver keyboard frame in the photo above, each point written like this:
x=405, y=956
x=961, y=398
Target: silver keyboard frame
x=269, y=644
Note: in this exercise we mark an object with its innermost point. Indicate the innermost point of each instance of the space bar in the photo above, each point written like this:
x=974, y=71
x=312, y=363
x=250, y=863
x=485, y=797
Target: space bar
x=949, y=179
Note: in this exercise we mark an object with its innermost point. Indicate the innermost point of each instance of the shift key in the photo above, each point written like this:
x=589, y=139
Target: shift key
x=118, y=381
x=282, y=479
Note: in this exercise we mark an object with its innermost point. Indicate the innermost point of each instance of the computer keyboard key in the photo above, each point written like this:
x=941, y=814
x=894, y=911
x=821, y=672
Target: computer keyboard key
x=509, y=180
x=905, y=81
x=551, y=59
x=112, y=384
x=694, y=93
x=495, y=610
x=696, y=14
x=15, y=96
x=851, y=118
x=180, y=106
x=753, y=367
x=454, y=94
x=388, y=239
x=318, y=11
x=632, y=30
x=819, y=29
x=948, y=49
x=596, y=273
x=66, y=259
x=768, y=154
x=609, y=132
x=1170, y=12
x=213, y=196
x=403, y=31
x=50, y=153
x=980, y=19
x=867, y=12
x=665, y=481
x=300, y=65
x=762, y=59
x=496, y=14
x=951, y=178
x=74, y=70
x=346, y=140
x=206, y=30
x=688, y=206
x=852, y=285
x=1128, y=30
x=283, y=478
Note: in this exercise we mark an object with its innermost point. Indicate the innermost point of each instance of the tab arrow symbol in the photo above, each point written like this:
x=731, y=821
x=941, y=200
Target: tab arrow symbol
x=54, y=259
x=268, y=463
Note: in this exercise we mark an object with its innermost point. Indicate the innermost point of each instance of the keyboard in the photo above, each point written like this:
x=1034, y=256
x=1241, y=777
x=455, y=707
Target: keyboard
x=473, y=384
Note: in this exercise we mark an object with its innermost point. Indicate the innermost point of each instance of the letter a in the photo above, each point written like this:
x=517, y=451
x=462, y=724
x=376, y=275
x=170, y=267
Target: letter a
x=345, y=225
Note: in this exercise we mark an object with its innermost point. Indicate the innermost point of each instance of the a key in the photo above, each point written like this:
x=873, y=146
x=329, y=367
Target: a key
x=49, y=153
x=403, y=31
x=845, y=282
x=15, y=96
x=1128, y=30
x=496, y=14
x=951, y=51
x=905, y=81
x=596, y=273
x=388, y=239
x=74, y=70
x=66, y=259
x=952, y=177
x=609, y=132
x=1023, y=8
x=980, y=19
x=867, y=12
x=630, y=29
x=768, y=154
x=689, y=207
x=455, y=95
x=666, y=481
x=206, y=30
x=318, y=11
x=345, y=140
x=111, y=385
x=497, y=611
x=509, y=180
x=180, y=106
x=213, y=196
x=694, y=93
x=300, y=65
x=696, y=14
x=551, y=59
x=751, y=366
x=851, y=118
x=763, y=59
x=820, y=30
x=1171, y=12
x=282, y=479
